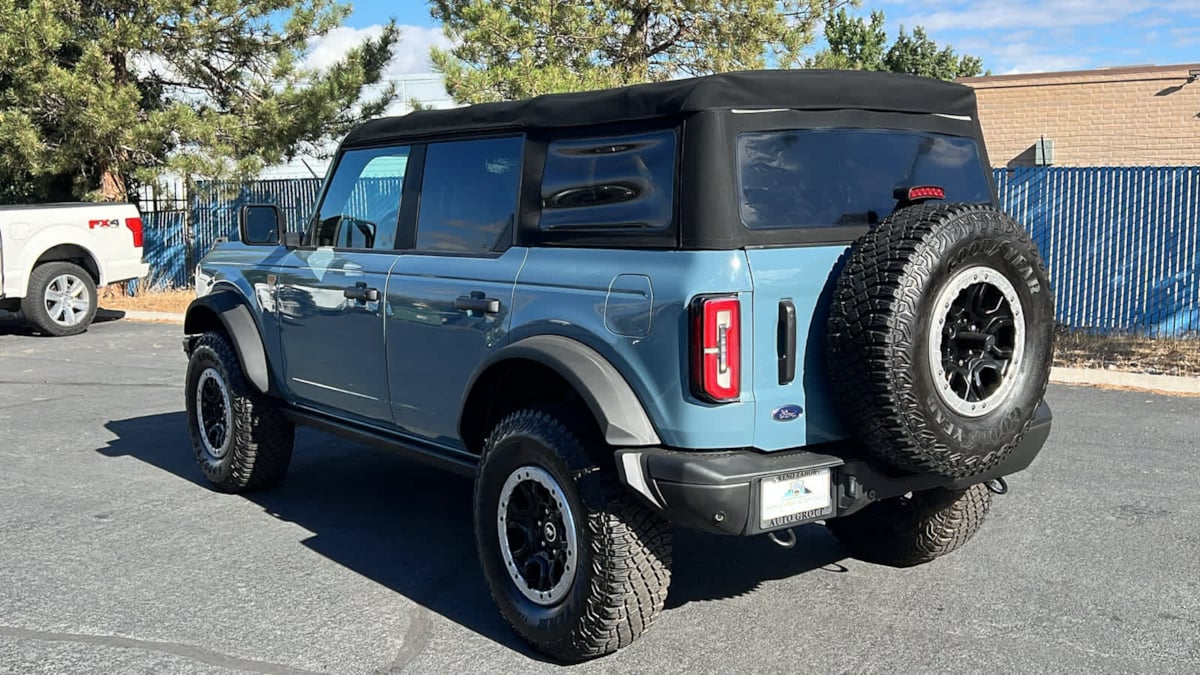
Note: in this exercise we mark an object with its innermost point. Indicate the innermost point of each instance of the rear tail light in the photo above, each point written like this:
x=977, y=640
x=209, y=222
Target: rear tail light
x=717, y=348
x=135, y=226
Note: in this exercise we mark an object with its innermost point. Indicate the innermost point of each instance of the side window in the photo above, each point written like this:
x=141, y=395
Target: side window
x=361, y=208
x=469, y=194
x=612, y=182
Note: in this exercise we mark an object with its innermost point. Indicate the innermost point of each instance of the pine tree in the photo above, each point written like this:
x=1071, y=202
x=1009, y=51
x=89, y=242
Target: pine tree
x=510, y=49
x=855, y=43
x=99, y=95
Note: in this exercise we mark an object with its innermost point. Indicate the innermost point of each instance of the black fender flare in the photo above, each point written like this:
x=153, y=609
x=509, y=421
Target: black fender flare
x=231, y=310
x=615, y=406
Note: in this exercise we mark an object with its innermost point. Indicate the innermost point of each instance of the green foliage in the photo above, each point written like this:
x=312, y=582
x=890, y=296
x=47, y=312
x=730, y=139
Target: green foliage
x=98, y=95
x=856, y=43
x=510, y=49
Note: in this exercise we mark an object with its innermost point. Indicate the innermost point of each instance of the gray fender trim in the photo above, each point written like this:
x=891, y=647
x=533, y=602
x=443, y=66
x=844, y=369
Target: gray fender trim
x=604, y=390
x=231, y=309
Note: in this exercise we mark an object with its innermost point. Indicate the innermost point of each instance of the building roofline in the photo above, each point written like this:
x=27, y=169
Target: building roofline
x=1080, y=74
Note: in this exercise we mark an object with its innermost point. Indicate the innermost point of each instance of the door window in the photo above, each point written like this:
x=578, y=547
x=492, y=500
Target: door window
x=361, y=208
x=469, y=194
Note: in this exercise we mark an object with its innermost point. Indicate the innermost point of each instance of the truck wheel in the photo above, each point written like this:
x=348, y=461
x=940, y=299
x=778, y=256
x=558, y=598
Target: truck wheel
x=940, y=338
x=60, y=300
x=576, y=565
x=910, y=530
x=240, y=438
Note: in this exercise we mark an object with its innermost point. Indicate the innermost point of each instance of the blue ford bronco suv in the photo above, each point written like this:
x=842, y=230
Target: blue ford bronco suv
x=737, y=303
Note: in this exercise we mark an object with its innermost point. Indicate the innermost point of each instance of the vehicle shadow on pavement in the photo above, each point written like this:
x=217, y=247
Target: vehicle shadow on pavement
x=13, y=324
x=409, y=527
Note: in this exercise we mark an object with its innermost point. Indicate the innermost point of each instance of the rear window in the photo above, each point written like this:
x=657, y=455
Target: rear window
x=817, y=178
x=609, y=182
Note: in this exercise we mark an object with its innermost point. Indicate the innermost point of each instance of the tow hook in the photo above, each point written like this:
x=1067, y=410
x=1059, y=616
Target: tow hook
x=997, y=486
x=783, y=538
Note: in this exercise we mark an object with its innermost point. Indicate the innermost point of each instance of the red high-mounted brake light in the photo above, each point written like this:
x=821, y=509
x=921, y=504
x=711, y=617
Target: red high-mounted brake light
x=135, y=226
x=924, y=192
x=716, y=349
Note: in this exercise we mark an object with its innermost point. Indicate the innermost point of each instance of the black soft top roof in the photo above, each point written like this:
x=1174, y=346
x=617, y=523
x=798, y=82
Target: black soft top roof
x=761, y=89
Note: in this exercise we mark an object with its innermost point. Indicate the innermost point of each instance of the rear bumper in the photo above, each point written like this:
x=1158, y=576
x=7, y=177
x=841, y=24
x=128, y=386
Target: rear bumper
x=124, y=270
x=718, y=491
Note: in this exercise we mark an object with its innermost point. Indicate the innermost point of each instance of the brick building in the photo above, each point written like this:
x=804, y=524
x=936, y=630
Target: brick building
x=1136, y=116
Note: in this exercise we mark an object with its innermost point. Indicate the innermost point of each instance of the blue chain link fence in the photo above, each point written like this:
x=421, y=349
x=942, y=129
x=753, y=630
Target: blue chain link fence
x=176, y=238
x=1122, y=244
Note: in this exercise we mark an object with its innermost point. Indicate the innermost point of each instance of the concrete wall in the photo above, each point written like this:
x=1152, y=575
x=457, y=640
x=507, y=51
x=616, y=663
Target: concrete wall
x=1140, y=116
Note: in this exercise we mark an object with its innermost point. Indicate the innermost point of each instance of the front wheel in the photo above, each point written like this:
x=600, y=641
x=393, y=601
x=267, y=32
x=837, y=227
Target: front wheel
x=61, y=299
x=576, y=565
x=240, y=438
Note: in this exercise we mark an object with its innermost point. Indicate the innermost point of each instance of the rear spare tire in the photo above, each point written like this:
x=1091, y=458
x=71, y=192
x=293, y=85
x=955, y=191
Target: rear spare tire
x=940, y=338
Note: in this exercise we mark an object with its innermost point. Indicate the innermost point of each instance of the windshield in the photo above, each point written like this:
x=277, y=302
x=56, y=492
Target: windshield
x=832, y=177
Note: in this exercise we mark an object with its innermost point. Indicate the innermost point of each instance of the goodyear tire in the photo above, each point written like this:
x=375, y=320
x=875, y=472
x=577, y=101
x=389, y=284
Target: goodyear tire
x=940, y=338
x=240, y=438
x=576, y=565
x=914, y=529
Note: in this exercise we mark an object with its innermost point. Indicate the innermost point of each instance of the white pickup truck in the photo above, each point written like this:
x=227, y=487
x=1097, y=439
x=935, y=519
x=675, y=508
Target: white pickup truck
x=53, y=256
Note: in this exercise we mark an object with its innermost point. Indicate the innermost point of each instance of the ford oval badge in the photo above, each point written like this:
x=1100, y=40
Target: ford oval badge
x=787, y=413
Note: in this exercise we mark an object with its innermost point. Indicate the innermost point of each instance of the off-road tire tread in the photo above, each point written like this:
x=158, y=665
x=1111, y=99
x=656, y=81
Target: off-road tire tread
x=630, y=545
x=33, y=305
x=874, y=318
x=932, y=524
x=263, y=437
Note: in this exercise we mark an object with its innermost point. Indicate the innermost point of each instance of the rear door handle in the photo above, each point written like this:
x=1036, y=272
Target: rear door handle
x=361, y=293
x=787, y=341
x=477, y=302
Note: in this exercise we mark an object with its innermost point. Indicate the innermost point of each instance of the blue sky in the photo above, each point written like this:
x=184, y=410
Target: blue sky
x=1010, y=35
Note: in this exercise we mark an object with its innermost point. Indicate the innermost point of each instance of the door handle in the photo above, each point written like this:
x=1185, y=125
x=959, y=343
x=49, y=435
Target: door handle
x=786, y=342
x=477, y=302
x=361, y=293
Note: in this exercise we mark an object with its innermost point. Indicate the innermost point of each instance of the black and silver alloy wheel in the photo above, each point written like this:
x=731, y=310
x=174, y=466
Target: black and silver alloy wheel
x=213, y=413
x=576, y=564
x=537, y=535
x=978, y=342
x=942, y=328
x=240, y=437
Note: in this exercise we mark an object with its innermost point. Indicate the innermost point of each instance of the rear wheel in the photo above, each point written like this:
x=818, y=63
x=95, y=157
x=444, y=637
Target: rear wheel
x=575, y=564
x=60, y=300
x=914, y=529
x=240, y=438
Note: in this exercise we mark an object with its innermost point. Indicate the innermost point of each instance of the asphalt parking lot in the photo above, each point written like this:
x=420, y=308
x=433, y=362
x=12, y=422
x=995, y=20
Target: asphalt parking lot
x=114, y=556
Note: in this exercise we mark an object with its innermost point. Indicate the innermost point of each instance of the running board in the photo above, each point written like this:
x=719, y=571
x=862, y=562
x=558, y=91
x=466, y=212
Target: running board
x=458, y=461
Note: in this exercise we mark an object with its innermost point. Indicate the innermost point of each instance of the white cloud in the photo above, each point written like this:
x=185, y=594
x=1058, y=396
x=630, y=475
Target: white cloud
x=1018, y=15
x=411, y=55
x=1027, y=58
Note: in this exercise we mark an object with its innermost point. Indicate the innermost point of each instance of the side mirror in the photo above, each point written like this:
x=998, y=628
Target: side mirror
x=260, y=225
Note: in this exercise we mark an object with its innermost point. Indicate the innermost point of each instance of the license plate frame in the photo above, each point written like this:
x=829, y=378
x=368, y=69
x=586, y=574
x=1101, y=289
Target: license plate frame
x=794, y=497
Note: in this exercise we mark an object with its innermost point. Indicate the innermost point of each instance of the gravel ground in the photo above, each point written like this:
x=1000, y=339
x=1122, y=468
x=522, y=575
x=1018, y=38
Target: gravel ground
x=114, y=556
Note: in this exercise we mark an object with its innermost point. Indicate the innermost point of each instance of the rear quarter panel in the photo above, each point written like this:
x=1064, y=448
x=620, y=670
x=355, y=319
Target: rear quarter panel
x=564, y=291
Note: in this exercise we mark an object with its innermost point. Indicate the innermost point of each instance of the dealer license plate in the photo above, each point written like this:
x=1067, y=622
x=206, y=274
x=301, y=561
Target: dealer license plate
x=795, y=497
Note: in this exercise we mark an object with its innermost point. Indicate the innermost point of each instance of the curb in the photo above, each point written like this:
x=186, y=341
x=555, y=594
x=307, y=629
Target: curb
x=159, y=317
x=1164, y=384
